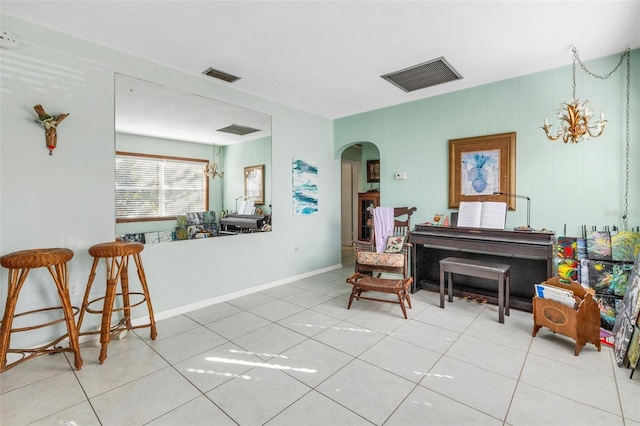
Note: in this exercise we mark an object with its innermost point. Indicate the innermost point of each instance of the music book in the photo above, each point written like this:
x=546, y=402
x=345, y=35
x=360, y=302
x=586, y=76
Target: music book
x=487, y=214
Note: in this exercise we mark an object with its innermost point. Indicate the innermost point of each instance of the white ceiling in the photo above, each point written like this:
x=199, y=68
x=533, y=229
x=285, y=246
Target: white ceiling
x=326, y=57
x=149, y=109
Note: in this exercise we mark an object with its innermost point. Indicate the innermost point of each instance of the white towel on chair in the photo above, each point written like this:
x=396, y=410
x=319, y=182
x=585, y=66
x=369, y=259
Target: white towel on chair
x=383, y=225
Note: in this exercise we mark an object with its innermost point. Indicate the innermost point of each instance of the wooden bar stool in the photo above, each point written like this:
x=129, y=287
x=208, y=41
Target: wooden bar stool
x=116, y=255
x=19, y=265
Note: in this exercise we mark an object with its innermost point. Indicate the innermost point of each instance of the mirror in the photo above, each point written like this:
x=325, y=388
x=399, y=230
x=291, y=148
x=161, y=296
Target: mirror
x=172, y=136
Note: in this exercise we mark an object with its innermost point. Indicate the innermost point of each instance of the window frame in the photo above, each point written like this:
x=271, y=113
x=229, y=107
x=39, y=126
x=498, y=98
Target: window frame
x=165, y=158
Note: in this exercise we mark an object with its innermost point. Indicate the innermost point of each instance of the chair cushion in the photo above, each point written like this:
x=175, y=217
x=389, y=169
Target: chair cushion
x=394, y=245
x=380, y=259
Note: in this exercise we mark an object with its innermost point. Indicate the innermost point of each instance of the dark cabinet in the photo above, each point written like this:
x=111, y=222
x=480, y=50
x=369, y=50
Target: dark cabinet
x=366, y=202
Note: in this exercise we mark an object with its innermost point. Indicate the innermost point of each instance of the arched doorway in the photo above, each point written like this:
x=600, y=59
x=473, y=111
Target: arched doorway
x=354, y=181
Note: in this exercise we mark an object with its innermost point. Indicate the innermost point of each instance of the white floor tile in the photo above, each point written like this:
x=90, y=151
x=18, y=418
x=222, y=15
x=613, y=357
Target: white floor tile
x=315, y=409
x=488, y=355
x=119, y=370
x=426, y=336
x=200, y=411
x=145, y=399
x=475, y=387
x=308, y=322
x=630, y=398
x=36, y=369
x=238, y=325
x=426, y=407
x=444, y=318
x=79, y=414
x=182, y=346
x=40, y=399
x=401, y=358
x=251, y=301
x=269, y=341
x=258, y=395
x=213, y=313
x=532, y=406
x=216, y=366
x=337, y=307
x=276, y=310
x=381, y=317
x=350, y=338
x=358, y=387
x=598, y=390
x=311, y=362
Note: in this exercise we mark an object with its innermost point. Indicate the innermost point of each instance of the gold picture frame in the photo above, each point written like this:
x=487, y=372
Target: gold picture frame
x=254, y=184
x=480, y=166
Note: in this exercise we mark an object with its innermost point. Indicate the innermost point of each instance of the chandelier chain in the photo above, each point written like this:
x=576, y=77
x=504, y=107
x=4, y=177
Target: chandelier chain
x=625, y=213
x=627, y=54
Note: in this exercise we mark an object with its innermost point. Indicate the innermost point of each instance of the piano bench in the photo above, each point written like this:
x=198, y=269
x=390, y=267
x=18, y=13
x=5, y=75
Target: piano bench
x=479, y=269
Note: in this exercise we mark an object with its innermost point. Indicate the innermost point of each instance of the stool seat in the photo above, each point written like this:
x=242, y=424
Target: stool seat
x=19, y=264
x=476, y=268
x=36, y=258
x=398, y=286
x=115, y=249
x=116, y=256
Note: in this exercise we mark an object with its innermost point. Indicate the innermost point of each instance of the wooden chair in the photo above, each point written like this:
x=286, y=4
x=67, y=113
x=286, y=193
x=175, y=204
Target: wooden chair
x=368, y=262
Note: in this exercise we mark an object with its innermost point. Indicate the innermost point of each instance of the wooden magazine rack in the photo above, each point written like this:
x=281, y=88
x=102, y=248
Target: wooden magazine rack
x=581, y=323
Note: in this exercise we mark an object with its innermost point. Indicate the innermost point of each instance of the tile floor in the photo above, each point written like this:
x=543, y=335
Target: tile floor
x=294, y=355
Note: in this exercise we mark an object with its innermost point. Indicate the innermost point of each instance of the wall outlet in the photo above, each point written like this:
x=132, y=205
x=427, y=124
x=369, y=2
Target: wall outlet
x=401, y=175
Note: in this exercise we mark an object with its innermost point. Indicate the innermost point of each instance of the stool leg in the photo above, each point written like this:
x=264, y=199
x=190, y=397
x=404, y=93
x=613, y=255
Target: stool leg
x=450, y=290
x=60, y=275
x=441, y=286
x=501, y=285
x=147, y=295
x=124, y=283
x=87, y=292
x=507, y=296
x=107, y=310
x=16, y=279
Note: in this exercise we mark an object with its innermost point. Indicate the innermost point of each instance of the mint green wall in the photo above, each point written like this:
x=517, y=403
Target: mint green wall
x=236, y=158
x=568, y=184
x=66, y=200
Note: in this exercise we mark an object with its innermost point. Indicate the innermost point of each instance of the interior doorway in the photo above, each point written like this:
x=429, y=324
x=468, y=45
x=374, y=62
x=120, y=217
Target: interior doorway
x=349, y=194
x=354, y=181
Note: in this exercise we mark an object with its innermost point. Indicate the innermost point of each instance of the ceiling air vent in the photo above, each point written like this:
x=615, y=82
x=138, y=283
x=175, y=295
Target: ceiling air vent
x=237, y=129
x=220, y=75
x=427, y=74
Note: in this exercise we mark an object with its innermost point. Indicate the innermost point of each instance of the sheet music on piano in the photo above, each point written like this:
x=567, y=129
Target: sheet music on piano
x=486, y=214
x=247, y=207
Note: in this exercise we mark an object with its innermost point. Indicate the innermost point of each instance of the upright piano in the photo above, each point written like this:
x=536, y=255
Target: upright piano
x=529, y=253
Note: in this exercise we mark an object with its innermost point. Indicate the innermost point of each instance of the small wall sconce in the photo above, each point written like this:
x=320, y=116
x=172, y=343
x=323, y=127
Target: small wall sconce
x=50, y=125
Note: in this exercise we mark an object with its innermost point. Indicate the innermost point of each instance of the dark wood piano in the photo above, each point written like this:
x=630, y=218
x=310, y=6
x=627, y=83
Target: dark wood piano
x=530, y=255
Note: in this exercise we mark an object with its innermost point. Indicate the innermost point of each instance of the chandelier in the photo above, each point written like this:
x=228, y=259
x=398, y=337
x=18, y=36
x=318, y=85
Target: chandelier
x=213, y=171
x=575, y=116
